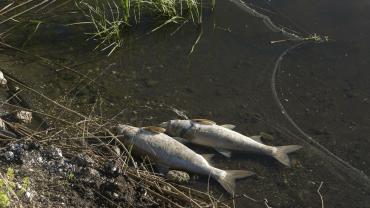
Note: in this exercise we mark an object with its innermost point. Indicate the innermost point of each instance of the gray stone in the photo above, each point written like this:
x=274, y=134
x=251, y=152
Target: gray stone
x=9, y=155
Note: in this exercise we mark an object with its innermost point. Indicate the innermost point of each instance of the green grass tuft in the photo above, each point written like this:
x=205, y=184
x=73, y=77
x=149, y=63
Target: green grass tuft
x=109, y=18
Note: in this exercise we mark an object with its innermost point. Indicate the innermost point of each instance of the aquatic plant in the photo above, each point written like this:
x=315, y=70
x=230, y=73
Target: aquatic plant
x=107, y=21
x=109, y=18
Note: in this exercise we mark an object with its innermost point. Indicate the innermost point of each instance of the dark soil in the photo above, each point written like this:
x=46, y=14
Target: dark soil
x=76, y=181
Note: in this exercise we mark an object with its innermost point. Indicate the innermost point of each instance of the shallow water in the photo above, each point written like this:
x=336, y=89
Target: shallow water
x=323, y=87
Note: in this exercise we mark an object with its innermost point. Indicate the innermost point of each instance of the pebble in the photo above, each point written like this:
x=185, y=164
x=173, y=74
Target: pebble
x=54, y=153
x=178, y=176
x=3, y=81
x=28, y=196
x=84, y=160
x=9, y=155
x=111, y=169
x=24, y=116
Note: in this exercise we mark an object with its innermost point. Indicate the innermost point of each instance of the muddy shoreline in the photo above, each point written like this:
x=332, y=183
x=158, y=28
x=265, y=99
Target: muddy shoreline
x=324, y=88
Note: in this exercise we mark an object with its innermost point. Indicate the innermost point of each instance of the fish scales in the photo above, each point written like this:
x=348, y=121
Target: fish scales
x=166, y=150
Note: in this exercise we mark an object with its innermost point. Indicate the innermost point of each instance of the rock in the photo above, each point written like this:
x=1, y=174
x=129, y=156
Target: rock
x=83, y=160
x=53, y=153
x=178, y=176
x=24, y=116
x=28, y=196
x=111, y=169
x=3, y=81
x=62, y=178
x=2, y=125
x=16, y=148
x=93, y=173
x=9, y=156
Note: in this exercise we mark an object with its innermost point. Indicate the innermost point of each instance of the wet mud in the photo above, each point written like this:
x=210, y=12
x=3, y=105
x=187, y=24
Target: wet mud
x=324, y=88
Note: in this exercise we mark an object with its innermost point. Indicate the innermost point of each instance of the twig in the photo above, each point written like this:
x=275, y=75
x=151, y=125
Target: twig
x=267, y=203
x=200, y=33
x=318, y=192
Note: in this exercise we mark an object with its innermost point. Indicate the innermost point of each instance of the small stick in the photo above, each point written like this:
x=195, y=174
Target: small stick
x=267, y=203
x=318, y=192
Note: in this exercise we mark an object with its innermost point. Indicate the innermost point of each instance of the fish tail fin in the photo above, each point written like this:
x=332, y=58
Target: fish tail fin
x=282, y=152
x=228, y=182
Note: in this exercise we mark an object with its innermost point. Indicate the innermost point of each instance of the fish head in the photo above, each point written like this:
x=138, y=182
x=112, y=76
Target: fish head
x=126, y=131
x=176, y=127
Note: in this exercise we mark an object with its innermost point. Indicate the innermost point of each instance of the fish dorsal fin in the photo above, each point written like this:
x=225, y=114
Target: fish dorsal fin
x=224, y=152
x=257, y=138
x=228, y=126
x=203, y=121
x=155, y=129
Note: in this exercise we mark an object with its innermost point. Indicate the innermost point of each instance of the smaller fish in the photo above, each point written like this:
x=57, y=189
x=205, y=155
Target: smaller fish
x=223, y=139
x=165, y=150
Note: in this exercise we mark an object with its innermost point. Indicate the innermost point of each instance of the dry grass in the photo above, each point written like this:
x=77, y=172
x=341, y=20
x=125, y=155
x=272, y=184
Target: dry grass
x=75, y=132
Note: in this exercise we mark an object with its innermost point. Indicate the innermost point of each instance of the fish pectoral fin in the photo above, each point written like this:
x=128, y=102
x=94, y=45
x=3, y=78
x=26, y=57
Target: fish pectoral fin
x=228, y=126
x=208, y=157
x=266, y=136
x=257, y=138
x=161, y=168
x=203, y=121
x=154, y=129
x=181, y=140
x=224, y=152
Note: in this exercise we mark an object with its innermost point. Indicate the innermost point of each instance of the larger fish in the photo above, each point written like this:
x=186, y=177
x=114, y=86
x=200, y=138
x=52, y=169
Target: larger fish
x=224, y=139
x=161, y=148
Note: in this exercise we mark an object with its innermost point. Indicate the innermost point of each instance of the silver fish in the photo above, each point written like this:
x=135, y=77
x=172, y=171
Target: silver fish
x=167, y=151
x=224, y=139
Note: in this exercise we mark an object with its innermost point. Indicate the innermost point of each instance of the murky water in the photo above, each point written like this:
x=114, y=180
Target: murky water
x=323, y=87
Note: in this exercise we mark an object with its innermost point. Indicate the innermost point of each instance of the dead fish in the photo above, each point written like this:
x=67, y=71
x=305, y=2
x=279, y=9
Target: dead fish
x=223, y=139
x=151, y=141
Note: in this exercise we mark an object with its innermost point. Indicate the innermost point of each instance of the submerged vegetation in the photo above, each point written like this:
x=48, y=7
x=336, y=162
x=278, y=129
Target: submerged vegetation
x=110, y=18
x=107, y=19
